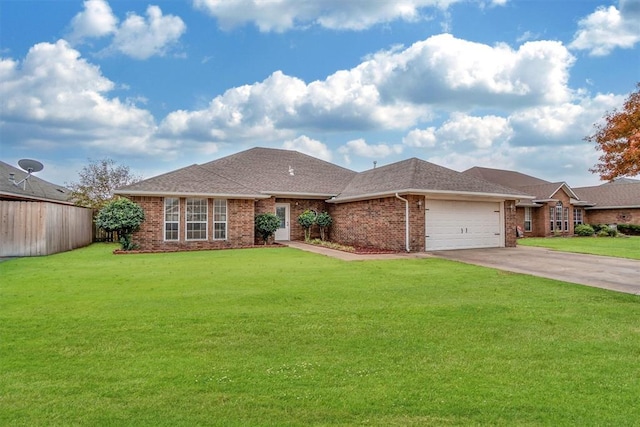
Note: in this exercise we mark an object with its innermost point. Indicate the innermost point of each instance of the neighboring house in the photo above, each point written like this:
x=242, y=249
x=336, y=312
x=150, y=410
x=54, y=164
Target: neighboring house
x=37, y=217
x=557, y=208
x=33, y=189
x=411, y=205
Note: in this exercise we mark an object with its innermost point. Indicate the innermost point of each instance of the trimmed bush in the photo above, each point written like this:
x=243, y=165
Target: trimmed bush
x=323, y=220
x=630, y=229
x=266, y=225
x=584, y=230
x=306, y=221
x=124, y=216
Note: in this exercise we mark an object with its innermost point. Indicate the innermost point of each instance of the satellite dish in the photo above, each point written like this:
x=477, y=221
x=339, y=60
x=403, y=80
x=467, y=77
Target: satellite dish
x=30, y=165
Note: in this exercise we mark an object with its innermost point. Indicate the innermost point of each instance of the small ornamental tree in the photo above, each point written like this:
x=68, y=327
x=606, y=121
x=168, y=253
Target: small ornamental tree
x=266, y=225
x=306, y=220
x=121, y=215
x=324, y=221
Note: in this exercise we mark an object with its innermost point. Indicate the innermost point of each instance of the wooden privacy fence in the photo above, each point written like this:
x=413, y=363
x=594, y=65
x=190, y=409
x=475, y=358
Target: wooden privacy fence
x=42, y=228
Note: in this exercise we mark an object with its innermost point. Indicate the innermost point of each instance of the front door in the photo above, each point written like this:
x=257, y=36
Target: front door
x=282, y=212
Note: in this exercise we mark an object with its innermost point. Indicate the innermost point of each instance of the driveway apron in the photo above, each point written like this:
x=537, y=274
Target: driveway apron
x=617, y=274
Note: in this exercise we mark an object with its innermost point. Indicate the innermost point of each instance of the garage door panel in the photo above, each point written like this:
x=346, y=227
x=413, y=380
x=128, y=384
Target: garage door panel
x=462, y=224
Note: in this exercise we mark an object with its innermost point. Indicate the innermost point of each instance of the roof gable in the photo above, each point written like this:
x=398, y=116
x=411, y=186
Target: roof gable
x=417, y=176
x=277, y=171
x=32, y=189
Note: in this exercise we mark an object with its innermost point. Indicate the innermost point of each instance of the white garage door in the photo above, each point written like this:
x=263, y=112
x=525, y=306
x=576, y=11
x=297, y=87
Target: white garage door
x=462, y=225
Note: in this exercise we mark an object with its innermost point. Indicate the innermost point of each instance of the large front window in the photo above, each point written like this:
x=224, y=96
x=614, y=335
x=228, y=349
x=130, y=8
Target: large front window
x=219, y=219
x=196, y=219
x=559, y=217
x=171, y=218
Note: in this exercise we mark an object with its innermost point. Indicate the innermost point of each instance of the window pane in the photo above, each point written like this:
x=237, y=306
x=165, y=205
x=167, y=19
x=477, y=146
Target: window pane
x=196, y=218
x=220, y=230
x=171, y=218
x=219, y=219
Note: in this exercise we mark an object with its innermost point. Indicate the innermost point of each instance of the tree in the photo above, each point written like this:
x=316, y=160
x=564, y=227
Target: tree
x=619, y=140
x=306, y=220
x=97, y=182
x=121, y=215
x=323, y=220
x=266, y=225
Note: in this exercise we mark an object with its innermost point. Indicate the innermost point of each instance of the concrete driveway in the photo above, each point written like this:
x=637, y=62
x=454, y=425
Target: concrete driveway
x=617, y=274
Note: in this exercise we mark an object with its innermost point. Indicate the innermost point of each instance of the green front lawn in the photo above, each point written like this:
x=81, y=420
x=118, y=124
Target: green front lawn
x=621, y=247
x=283, y=337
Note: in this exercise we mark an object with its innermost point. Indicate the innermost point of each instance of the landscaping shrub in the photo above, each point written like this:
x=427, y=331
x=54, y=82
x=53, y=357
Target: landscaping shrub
x=584, y=230
x=306, y=220
x=629, y=229
x=121, y=215
x=266, y=225
x=323, y=220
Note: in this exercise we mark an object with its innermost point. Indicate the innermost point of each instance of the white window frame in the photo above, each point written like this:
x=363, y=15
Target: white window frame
x=565, y=220
x=195, y=215
x=578, y=216
x=220, y=218
x=172, y=217
x=528, y=222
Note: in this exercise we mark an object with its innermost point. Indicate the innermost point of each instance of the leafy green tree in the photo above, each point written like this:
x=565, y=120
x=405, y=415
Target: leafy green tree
x=97, y=182
x=324, y=221
x=266, y=225
x=306, y=220
x=123, y=216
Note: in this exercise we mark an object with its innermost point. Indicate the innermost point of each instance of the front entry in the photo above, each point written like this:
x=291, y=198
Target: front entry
x=282, y=212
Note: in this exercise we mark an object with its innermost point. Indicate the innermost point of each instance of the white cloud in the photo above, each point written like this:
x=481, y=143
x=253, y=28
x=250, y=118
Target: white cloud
x=283, y=15
x=453, y=72
x=480, y=132
x=54, y=98
x=96, y=20
x=141, y=39
x=421, y=138
x=309, y=146
x=137, y=37
x=359, y=147
x=609, y=28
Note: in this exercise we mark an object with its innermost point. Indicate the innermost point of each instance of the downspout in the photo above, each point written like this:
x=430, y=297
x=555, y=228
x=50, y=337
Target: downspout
x=406, y=221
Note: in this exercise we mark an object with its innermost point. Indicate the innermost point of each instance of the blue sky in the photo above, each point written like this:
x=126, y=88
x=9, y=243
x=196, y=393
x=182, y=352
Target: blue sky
x=160, y=85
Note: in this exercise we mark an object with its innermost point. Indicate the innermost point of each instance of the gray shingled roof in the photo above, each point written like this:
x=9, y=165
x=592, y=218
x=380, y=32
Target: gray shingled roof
x=504, y=177
x=276, y=171
x=547, y=191
x=264, y=172
x=34, y=188
x=191, y=180
x=620, y=195
x=418, y=176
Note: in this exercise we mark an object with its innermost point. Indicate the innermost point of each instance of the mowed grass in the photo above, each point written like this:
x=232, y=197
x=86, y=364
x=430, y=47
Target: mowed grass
x=620, y=247
x=272, y=337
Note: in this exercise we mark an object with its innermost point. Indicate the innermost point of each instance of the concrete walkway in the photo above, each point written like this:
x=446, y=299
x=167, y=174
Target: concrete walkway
x=347, y=256
x=616, y=274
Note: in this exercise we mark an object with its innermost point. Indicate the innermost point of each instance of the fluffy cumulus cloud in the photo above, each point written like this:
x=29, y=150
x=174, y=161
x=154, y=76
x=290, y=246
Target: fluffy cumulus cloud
x=137, y=37
x=394, y=89
x=309, y=146
x=609, y=28
x=55, y=98
x=360, y=148
x=479, y=132
x=96, y=20
x=283, y=15
x=142, y=38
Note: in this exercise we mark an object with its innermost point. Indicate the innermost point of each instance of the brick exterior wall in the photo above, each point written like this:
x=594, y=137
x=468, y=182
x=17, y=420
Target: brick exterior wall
x=150, y=237
x=612, y=216
x=379, y=223
x=510, y=223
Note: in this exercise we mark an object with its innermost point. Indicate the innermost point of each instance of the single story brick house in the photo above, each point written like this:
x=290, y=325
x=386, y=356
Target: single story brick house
x=412, y=205
x=557, y=208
